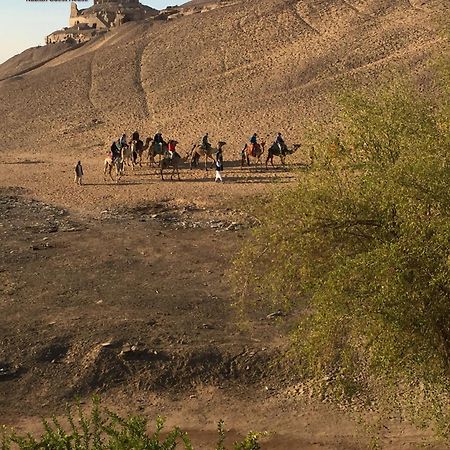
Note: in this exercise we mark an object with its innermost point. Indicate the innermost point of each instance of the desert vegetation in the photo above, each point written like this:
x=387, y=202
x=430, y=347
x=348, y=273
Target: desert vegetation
x=359, y=250
x=103, y=429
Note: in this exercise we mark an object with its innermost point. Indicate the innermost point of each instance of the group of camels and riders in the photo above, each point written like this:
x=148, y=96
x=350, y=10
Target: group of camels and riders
x=129, y=153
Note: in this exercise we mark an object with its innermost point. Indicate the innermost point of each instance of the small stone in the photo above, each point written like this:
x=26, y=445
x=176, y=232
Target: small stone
x=278, y=313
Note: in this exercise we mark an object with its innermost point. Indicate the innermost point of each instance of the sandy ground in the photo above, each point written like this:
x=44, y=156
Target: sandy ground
x=122, y=289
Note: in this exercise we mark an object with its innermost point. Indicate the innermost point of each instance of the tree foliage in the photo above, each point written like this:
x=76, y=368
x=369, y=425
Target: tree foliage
x=361, y=247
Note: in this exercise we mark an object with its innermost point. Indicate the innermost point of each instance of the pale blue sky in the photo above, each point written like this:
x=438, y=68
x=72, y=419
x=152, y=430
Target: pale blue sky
x=25, y=24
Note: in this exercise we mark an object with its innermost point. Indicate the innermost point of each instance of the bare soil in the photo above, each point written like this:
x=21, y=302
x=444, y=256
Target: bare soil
x=122, y=290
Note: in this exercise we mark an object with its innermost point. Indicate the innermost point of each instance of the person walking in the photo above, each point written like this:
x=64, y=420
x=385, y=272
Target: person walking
x=219, y=165
x=79, y=173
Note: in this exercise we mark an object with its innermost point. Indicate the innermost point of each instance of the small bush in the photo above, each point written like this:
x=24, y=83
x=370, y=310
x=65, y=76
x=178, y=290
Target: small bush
x=103, y=429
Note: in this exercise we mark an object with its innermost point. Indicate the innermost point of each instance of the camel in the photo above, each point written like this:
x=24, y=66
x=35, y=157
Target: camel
x=138, y=148
x=198, y=151
x=252, y=151
x=109, y=164
x=156, y=149
x=127, y=157
x=174, y=162
x=274, y=150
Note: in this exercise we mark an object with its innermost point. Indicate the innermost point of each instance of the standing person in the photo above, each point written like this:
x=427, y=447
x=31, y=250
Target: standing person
x=79, y=173
x=219, y=165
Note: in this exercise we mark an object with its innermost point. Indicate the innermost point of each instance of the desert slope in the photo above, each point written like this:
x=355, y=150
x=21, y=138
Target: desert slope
x=266, y=66
x=32, y=58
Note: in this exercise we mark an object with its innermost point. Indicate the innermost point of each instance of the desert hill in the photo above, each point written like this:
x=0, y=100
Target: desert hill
x=32, y=59
x=266, y=66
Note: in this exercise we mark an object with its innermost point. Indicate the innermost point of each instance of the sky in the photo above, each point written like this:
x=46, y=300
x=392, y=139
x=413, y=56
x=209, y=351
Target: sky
x=25, y=23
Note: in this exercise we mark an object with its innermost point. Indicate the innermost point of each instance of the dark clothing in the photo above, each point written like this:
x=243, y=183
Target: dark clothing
x=115, y=152
x=219, y=161
x=205, y=144
x=280, y=142
x=135, y=136
x=79, y=170
x=253, y=140
x=158, y=138
x=122, y=142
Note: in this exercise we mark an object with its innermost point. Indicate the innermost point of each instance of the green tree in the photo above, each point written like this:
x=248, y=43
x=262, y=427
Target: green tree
x=360, y=248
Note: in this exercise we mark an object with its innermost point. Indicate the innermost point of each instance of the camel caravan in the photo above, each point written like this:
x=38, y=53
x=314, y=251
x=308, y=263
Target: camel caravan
x=126, y=154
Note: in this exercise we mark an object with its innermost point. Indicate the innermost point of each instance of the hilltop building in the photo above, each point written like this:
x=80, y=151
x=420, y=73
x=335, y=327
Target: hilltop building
x=84, y=24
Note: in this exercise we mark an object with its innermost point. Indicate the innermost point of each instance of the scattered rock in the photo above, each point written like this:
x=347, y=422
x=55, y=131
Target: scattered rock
x=8, y=372
x=275, y=314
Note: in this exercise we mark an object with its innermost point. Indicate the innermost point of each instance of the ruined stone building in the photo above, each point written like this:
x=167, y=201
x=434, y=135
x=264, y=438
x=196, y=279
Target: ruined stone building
x=84, y=24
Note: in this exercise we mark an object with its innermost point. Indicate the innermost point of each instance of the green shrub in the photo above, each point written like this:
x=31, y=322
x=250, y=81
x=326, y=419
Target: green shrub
x=103, y=429
x=360, y=250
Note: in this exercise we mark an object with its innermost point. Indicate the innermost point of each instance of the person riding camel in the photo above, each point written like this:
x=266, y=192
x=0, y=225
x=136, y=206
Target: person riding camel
x=254, y=143
x=158, y=140
x=115, y=152
x=171, y=148
x=205, y=143
x=122, y=143
x=138, y=144
x=280, y=142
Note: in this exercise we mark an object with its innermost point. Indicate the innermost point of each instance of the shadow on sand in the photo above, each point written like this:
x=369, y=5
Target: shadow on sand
x=26, y=161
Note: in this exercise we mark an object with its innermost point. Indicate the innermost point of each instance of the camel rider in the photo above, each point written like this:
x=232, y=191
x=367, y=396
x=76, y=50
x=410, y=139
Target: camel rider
x=122, y=141
x=205, y=142
x=171, y=147
x=280, y=142
x=158, y=140
x=115, y=152
x=254, y=142
x=135, y=136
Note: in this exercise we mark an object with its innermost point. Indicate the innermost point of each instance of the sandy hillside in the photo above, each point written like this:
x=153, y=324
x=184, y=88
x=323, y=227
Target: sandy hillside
x=261, y=66
x=32, y=59
x=121, y=288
